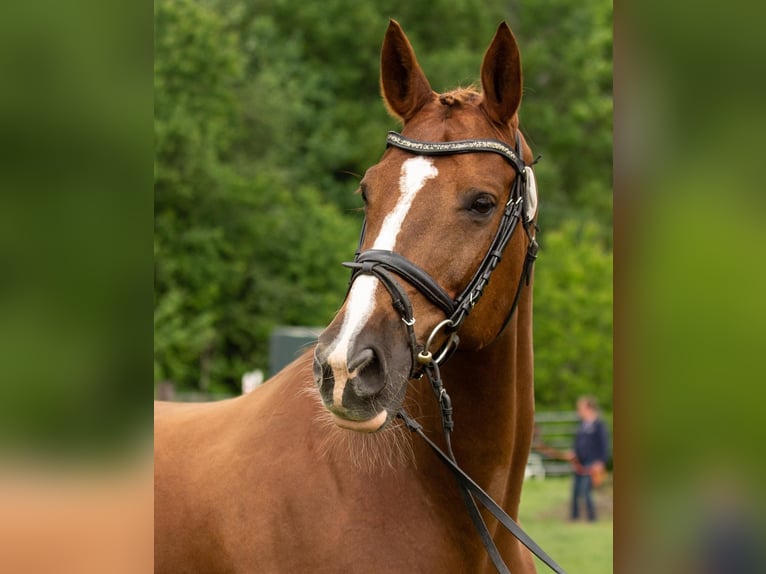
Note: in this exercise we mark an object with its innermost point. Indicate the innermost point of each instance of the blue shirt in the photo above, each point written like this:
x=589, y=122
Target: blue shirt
x=591, y=442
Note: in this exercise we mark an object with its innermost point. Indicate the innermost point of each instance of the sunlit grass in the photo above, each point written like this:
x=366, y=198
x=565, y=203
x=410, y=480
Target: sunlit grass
x=579, y=547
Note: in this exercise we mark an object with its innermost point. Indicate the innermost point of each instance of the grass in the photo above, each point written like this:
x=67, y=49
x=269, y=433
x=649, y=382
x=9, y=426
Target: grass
x=578, y=547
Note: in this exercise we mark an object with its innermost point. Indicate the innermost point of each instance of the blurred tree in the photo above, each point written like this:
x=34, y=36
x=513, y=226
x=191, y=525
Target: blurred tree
x=567, y=107
x=197, y=66
x=573, y=317
x=232, y=258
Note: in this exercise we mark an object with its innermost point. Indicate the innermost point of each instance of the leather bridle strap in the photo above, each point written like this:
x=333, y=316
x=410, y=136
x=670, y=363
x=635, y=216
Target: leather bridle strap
x=465, y=481
x=475, y=288
x=458, y=146
x=407, y=270
x=399, y=299
x=434, y=377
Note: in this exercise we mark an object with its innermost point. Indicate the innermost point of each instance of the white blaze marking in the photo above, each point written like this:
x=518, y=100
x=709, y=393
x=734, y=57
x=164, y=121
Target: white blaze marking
x=361, y=300
x=415, y=173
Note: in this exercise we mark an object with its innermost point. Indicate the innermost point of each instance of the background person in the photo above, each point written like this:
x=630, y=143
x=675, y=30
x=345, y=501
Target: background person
x=591, y=447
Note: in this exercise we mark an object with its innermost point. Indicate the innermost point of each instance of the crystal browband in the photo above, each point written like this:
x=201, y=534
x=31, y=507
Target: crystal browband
x=459, y=146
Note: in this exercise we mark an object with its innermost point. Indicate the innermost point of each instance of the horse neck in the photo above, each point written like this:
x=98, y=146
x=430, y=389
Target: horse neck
x=493, y=401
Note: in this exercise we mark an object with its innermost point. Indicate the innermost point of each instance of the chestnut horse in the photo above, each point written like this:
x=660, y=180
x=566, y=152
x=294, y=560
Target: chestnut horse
x=314, y=471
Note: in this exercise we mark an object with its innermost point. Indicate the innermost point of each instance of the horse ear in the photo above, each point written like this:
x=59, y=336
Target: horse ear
x=501, y=76
x=404, y=86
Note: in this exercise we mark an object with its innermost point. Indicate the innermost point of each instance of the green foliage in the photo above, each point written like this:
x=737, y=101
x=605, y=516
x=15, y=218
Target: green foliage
x=567, y=107
x=232, y=254
x=573, y=317
x=266, y=115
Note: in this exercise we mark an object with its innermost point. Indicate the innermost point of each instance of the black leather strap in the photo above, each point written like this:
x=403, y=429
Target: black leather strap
x=433, y=374
x=485, y=499
x=459, y=146
x=406, y=269
x=475, y=288
x=526, y=276
x=399, y=300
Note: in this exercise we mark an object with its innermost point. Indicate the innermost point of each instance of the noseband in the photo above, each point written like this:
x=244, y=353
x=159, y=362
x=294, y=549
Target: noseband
x=382, y=264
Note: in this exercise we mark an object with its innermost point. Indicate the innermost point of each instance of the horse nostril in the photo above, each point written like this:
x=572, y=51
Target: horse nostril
x=367, y=372
x=322, y=374
x=361, y=360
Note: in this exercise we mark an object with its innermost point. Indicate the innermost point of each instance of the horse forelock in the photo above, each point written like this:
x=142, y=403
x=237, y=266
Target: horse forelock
x=460, y=97
x=463, y=103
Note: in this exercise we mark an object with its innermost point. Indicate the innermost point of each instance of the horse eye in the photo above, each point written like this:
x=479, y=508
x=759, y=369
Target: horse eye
x=363, y=193
x=483, y=205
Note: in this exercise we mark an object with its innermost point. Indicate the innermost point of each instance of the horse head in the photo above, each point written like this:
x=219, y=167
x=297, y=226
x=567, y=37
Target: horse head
x=432, y=222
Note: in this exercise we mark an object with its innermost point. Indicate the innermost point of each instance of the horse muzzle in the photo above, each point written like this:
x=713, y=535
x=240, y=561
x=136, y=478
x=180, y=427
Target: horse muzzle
x=362, y=383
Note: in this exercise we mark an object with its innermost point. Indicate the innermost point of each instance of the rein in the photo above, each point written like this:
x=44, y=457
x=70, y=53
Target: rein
x=382, y=264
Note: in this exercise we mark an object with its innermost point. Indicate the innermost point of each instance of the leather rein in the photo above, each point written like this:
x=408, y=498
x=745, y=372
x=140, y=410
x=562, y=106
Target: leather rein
x=383, y=264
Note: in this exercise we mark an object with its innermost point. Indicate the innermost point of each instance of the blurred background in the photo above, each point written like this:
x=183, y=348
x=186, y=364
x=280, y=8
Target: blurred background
x=690, y=315
x=76, y=149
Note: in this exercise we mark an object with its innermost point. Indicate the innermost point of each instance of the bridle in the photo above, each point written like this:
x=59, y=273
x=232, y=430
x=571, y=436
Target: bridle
x=380, y=263
x=383, y=264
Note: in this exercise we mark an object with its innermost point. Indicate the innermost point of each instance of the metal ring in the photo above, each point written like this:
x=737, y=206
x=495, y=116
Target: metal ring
x=447, y=346
x=447, y=349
